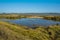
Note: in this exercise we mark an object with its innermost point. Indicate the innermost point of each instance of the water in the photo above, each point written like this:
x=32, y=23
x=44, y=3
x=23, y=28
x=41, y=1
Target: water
x=32, y=22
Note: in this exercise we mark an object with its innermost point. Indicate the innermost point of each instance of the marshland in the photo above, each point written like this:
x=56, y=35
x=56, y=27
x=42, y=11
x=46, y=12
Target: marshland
x=29, y=19
x=29, y=27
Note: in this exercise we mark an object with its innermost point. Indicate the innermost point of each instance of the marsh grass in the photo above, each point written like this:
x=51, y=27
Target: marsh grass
x=14, y=32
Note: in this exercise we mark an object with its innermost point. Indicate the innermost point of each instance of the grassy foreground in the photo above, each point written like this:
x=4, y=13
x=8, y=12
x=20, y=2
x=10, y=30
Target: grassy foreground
x=14, y=32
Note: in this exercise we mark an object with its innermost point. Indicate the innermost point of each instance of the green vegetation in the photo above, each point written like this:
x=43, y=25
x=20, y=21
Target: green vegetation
x=11, y=16
x=55, y=18
x=18, y=16
x=14, y=32
x=10, y=31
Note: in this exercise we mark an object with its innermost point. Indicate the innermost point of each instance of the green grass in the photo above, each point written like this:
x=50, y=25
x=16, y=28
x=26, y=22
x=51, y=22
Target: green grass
x=14, y=32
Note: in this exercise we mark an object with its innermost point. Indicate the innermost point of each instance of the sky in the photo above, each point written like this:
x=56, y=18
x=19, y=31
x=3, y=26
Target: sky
x=29, y=6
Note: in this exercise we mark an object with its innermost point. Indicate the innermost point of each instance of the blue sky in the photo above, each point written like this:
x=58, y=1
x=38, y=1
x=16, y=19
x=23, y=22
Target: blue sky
x=29, y=6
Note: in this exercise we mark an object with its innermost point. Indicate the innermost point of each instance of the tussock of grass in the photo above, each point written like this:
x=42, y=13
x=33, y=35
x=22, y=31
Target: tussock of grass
x=14, y=32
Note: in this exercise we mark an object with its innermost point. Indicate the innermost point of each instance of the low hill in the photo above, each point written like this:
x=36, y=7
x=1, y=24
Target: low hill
x=14, y=32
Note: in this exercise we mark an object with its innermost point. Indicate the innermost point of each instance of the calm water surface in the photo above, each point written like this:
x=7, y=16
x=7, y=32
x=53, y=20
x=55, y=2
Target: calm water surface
x=32, y=22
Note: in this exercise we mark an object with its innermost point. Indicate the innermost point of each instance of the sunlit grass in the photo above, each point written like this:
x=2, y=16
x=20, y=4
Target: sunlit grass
x=9, y=31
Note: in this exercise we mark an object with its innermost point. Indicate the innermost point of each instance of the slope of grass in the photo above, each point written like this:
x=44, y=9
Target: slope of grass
x=14, y=32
